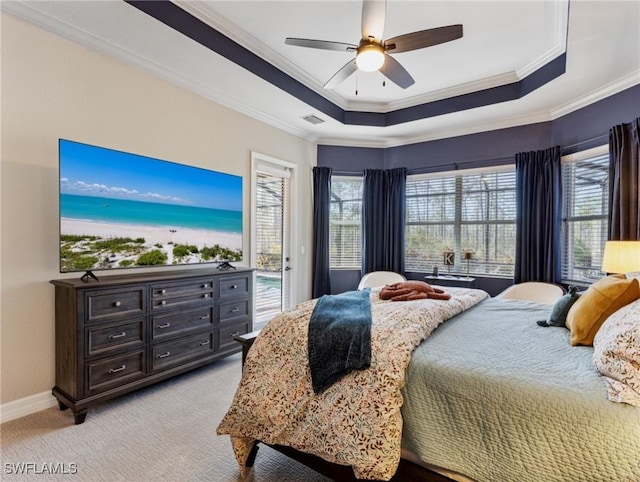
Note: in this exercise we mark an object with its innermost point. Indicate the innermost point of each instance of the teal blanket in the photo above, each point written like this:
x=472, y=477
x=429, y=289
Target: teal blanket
x=339, y=337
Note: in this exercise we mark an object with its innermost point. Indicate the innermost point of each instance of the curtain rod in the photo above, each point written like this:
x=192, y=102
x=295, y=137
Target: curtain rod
x=593, y=139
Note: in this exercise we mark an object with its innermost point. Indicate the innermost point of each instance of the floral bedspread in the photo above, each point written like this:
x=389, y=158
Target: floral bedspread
x=357, y=420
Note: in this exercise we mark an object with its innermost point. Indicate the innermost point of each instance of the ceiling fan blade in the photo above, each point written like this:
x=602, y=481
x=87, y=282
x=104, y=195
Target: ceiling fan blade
x=423, y=38
x=320, y=44
x=346, y=70
x=374, y=13
x=396, y=73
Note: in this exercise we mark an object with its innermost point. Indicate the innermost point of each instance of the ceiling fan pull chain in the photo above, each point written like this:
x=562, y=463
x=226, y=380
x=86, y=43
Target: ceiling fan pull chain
x=357, y=82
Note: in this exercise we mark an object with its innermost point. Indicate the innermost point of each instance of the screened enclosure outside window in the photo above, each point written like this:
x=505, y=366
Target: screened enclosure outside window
x=272, y=200
x=585, y=186
x=472, y=212
x=345, y=224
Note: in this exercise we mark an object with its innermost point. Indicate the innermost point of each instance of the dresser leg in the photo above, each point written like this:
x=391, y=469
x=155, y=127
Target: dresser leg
x=80, y=416
x=62, y=406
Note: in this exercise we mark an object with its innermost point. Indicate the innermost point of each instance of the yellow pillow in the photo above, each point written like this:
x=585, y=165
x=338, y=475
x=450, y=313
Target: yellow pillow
x=603, y=298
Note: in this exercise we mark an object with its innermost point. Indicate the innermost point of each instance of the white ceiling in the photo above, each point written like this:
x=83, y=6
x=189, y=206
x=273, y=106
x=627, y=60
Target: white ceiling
x=503, y=42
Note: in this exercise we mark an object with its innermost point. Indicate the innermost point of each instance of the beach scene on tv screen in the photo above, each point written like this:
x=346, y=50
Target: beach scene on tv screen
x=121, y=210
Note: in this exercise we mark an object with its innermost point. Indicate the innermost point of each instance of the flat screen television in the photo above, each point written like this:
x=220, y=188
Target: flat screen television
x=121, y=210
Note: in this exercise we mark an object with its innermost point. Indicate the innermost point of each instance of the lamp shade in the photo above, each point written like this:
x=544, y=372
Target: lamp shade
x=621, y=256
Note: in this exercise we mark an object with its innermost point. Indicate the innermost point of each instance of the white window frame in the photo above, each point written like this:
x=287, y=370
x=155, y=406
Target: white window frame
x=358, y=247
x=461, y=265
x=569, y=268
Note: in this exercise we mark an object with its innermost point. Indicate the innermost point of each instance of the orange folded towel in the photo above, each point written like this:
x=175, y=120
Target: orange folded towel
x=412, y=290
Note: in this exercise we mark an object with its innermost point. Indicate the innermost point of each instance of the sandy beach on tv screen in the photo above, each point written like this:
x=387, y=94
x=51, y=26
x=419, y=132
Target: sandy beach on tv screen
x=152, y=234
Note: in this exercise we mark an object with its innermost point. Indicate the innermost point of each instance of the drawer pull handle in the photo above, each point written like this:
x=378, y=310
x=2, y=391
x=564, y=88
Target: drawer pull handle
x=163, y=355
x=119, y=335
x=166, y=325
x=206, y=295
x=205, y=286
x=204, y=343
x=233, y=287
x=116, y=370
x=163, y=302
x=204, y=317
x=235, y=333
x=118, y=303
x=235, y=310
x=163, y=292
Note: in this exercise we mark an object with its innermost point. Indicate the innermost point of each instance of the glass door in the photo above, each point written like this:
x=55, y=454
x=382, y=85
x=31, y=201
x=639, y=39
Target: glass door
x=271, y=233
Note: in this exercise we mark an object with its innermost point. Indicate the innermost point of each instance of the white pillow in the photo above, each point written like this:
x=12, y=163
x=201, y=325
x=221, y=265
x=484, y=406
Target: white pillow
x=616, y=354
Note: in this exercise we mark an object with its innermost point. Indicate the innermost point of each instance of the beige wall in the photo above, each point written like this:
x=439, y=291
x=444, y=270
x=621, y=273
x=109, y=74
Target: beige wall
x=53, y=88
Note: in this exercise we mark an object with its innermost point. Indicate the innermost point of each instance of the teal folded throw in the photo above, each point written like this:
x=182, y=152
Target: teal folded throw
x=339, y=337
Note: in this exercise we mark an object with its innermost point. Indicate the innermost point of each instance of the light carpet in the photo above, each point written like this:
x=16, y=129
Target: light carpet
x=162, y=433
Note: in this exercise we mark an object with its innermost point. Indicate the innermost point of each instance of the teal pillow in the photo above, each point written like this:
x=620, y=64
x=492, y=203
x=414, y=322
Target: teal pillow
x=561, y=308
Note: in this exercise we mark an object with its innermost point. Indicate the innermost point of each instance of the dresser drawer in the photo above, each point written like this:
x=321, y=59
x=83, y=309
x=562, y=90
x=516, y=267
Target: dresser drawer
x=176, y=352
x=233, y=311
x=181, y=322
x=108, y=304
x=174, y=295
x=227, y=332
x=102, y=339
x=115, y=371
x=230, y=287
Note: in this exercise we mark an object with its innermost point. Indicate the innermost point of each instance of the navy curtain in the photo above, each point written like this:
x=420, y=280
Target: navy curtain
x=321, y=206
x=383, y=219
x=624, y=182
x=538, y=216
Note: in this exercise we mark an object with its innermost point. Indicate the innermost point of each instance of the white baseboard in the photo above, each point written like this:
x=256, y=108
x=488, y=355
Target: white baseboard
x=26, y=406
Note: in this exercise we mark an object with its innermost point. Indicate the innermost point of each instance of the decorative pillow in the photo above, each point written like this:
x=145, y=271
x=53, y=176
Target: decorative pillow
x=561, y=308
x=634, y=274
x=602, y=299
x=616, y=354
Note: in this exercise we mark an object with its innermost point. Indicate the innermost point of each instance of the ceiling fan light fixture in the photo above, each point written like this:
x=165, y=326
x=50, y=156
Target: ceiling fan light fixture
x=370, y=57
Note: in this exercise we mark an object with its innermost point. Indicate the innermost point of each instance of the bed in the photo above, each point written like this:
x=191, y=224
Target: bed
x=472, y=388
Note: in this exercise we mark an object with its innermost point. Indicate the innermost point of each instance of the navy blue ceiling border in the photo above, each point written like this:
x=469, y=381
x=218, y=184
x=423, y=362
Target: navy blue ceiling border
x=176, y=18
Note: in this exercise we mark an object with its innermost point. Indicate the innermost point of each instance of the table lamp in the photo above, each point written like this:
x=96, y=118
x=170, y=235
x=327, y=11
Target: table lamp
x=621, y=257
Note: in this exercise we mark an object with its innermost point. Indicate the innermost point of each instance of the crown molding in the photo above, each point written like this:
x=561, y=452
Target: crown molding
x=31, y=14
x=476, y=128
x=246, y=40
x=601, y=93
x=561, y=30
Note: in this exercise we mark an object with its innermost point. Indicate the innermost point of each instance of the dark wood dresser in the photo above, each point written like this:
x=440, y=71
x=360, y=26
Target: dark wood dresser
x=130, y=331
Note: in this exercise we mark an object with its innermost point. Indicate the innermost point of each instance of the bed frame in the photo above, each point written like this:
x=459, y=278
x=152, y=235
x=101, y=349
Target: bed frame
x=343, y=473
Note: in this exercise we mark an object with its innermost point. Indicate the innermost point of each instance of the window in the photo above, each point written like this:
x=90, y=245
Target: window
x=585, y=187
x=472, y=211
x=345, y=223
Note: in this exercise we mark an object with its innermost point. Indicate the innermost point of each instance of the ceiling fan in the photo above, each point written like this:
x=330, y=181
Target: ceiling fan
x=372, y=53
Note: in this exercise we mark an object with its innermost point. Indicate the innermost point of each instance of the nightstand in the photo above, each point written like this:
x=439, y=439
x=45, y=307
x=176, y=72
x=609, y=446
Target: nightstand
x=246, y=340
x=447, y=280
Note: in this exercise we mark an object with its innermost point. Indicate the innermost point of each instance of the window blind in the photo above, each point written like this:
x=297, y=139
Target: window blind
x=345, y=229
x=462, y=213
x=585, y=186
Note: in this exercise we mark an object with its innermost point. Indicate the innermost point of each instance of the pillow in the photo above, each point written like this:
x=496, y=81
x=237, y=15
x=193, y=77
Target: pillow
x=616, y=354
x=561, y=308
x=603, y=298
x=634, y=274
